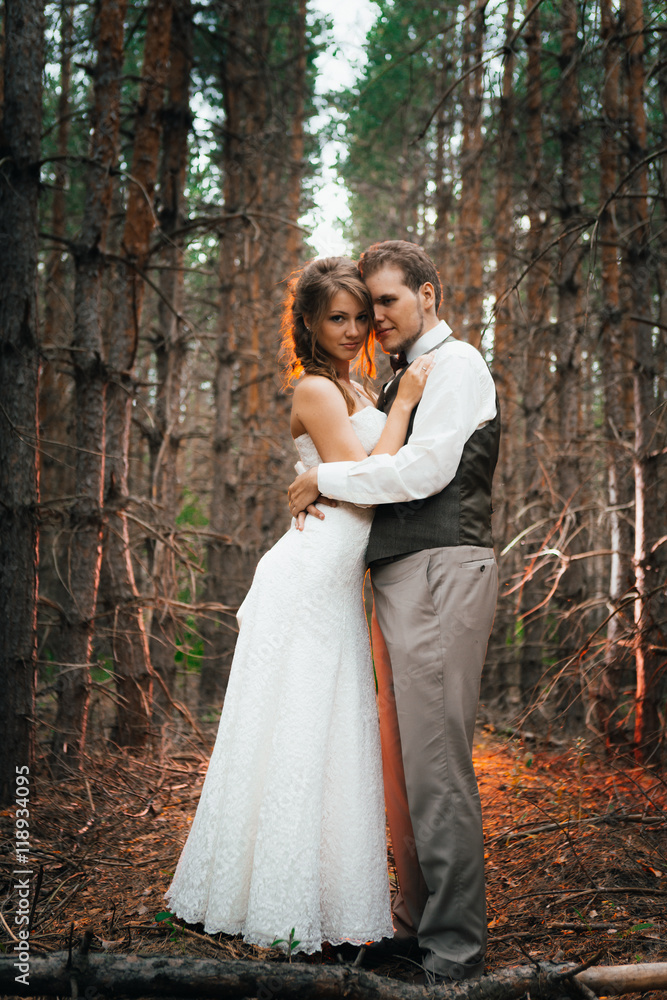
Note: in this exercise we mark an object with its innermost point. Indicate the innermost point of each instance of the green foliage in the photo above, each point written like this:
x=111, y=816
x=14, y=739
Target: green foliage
x=192, y=512
x=515, y=633
x=386, y=167
x=167, y=917
x=191, y=647
x=291, y=943
x=415, y=54
x=102, y=670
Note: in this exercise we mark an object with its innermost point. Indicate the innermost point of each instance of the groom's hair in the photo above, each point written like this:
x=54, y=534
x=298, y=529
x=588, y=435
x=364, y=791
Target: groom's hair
x=415, y=263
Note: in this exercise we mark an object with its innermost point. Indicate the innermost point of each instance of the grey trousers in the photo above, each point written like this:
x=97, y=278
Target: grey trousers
x=435, y=610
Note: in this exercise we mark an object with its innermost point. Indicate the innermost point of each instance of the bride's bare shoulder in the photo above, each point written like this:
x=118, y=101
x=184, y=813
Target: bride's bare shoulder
x=315, y=399
x=316, y=389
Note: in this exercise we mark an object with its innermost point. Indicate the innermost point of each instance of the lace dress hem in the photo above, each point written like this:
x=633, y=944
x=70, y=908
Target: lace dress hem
x=308, y=947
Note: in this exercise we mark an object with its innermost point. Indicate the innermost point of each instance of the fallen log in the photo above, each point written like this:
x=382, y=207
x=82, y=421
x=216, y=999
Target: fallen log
x=615, y=980
x=92, y=975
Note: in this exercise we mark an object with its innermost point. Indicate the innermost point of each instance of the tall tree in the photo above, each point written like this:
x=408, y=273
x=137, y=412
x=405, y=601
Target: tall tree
x=568, y=347
x=129, y=641
x=535, y=365
x=298, y=39
x=55, y=387
x=20, y=127
x=266, y=82
x=72, y=645
x=224, y=577
x=617, y=391
x=506, y=357
x=650, y=520
x=504, y=334
x=468, y=296
x=170, y=342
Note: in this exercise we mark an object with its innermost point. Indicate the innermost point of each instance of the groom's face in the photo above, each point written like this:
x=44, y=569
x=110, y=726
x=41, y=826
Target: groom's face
x=399, y=312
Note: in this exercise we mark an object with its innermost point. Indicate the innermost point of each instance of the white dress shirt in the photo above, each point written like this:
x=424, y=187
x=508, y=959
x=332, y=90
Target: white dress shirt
x=458, y=398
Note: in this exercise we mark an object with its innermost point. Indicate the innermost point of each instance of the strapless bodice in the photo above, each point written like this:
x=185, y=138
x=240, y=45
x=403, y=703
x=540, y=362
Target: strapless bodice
x=368, y=424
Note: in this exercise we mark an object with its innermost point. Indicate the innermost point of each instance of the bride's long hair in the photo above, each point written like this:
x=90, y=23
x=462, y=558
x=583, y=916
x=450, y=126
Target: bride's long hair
x=310, y=293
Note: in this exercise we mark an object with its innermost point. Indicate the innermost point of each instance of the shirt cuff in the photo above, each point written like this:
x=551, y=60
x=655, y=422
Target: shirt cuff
x=331, y=477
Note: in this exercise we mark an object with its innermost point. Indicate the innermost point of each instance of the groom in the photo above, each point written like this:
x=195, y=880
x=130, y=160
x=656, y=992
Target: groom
x=434, y=580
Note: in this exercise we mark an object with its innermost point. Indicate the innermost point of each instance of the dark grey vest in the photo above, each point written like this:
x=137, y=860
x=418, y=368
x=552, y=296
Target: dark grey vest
x=459, y=515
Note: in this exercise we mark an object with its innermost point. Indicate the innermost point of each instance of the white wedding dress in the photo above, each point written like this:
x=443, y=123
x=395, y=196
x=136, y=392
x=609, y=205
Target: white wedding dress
x=290, y=828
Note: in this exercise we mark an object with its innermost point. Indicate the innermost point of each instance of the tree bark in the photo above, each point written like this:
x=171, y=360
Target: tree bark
x=133, y=672
x=504, y=360
x=502, y=677
x=650, y=519
x=20, y=128
x=2, y=60
x=570, y=462
x=262, y=159
x=56, y=473
x=224, y=578
x=617, y=396
x=443, y=199
x=170, y=351
x=534, y=370
x=253, y=395
x=293, y=241
x=468, y=287
x=73, y=643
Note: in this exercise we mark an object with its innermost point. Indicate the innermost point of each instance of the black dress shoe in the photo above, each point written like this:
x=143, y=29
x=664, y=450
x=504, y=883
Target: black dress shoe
x=454, y=972
x=389, y=949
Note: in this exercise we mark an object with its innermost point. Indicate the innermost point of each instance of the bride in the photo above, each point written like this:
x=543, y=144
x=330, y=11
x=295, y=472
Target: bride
x=289, y=833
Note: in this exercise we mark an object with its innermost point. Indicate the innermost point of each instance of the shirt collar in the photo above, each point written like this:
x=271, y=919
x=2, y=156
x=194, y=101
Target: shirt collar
x=428, y=340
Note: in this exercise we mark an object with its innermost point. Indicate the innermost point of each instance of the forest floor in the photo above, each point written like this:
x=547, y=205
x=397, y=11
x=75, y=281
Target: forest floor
x=576, y=857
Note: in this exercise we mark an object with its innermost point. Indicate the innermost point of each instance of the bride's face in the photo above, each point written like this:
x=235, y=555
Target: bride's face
x=344, y=328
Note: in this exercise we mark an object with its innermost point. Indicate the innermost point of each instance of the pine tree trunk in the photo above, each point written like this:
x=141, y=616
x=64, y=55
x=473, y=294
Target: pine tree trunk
x=74, y=640
x=504, y=360
x=443, y=200
x=293, y=242
x=56, y=476
x=472, y=179
x=224, y=577
x=252, y=388
x=132, y=666
x=20, y=127
x=263, y=166
x=650, y=520
x=2, y=61
x=618, y=415
x=283, y=253
x=502, y=678
x=569, y=330
x=661, y=73
x=534, y=373
x=170, y=350
x=458, y=304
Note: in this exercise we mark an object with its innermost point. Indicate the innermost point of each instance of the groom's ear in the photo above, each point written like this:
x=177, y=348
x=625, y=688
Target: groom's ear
x=427, y=295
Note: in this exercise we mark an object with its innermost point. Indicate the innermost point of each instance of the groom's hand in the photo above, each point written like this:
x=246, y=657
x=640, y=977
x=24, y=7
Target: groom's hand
x=303, y=491
x=302, y=495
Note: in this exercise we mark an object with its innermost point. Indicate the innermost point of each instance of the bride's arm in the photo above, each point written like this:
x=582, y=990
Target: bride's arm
x=319, y=406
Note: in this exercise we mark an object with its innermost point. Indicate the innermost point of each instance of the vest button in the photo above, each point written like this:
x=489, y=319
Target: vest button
x=482, y=568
